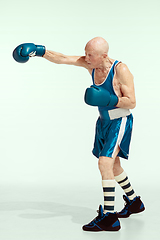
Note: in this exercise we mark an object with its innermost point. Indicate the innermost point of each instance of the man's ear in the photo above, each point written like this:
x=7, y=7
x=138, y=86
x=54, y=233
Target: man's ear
x=104, y=55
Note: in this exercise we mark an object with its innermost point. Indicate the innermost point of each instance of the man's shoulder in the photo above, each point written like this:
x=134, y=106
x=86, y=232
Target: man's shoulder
x=123, y=74
x=122, y=69
x=120, y=66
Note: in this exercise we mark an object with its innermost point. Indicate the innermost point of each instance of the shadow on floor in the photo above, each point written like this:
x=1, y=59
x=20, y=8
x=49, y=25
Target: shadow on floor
x=50, y=210
x=79, y=215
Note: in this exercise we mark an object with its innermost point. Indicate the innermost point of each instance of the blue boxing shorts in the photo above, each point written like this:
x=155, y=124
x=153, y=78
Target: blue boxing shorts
x=111, y=134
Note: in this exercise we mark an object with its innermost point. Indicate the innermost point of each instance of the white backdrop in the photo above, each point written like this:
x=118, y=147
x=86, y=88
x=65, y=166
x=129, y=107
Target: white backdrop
x=46, y=130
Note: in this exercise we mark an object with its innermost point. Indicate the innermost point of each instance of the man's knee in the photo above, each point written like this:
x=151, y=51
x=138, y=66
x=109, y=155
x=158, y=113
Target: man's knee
x=106, y=167
x=105, y=163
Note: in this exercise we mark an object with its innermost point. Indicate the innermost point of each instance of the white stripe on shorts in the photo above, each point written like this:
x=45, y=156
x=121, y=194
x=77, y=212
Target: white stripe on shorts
x=121, y=134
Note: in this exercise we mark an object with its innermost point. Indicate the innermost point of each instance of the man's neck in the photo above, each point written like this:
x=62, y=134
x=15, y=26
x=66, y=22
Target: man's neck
x=106, y=65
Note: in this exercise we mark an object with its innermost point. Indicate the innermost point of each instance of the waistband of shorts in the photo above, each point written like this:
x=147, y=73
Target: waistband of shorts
x=114, y=114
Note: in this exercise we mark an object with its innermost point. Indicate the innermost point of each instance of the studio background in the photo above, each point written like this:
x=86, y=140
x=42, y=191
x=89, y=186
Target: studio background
x=46, y=129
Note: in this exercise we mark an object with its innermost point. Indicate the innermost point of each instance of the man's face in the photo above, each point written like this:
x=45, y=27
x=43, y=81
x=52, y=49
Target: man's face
x=93, y=58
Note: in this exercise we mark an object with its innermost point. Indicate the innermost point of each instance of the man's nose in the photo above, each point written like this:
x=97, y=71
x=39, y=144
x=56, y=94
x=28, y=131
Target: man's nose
x=86, y=58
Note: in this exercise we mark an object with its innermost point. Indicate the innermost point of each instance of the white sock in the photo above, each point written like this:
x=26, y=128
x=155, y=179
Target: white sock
x=123, y=181
x=109, y=195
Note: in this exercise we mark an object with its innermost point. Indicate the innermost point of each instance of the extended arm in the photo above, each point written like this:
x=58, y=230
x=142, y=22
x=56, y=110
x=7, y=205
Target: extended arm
x=60, y=58
x=24, y=51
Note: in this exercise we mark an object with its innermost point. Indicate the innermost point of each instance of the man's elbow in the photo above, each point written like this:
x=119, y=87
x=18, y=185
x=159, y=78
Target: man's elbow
x=133, y=104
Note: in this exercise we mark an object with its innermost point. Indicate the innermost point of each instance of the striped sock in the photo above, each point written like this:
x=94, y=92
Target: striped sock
x=109, y=195
x=123, y=181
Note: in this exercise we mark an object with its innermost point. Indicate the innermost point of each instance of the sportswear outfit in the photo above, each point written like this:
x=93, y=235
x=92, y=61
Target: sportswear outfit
x=114, y=125
x=113, y=129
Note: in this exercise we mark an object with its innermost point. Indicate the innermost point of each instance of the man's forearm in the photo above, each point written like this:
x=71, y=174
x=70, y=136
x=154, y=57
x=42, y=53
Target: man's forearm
x=60, y=58
x=125, y=102
x=55, y=57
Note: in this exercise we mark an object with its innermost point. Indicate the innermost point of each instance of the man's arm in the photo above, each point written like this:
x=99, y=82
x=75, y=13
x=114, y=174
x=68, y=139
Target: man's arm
x=60, y=58
x=24, y=51
x=125, y=79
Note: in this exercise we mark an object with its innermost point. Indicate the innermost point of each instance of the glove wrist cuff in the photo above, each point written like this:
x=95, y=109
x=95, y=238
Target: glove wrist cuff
x=40, y=51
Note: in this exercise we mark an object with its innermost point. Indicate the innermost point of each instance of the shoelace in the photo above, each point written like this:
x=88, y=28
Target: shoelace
x=127, y=203
x=125, y=207
x=98, y=218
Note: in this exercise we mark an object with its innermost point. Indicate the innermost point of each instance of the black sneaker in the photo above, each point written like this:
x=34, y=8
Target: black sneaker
x=131, y=206
x=103, y=222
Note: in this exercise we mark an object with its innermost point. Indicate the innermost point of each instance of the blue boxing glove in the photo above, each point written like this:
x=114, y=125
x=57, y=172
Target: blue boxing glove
x=98, y=96
x=22, y=53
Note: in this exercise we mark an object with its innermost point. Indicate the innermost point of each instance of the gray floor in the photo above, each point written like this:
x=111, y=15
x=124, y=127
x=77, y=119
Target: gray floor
x=30, y=212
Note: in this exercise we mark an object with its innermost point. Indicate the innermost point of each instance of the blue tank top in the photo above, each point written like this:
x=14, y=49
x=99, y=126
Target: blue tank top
x=108, y=85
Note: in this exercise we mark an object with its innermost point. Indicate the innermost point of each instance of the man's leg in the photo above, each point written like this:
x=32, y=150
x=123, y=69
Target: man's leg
x=107, y=219
x=133, y=203
x=122, y=179
x=108, y=181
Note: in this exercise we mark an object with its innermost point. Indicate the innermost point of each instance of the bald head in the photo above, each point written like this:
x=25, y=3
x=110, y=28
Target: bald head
x=99, y=45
